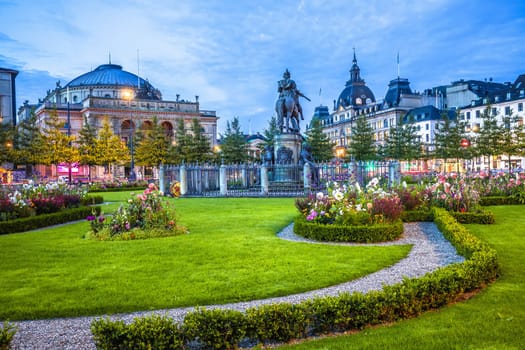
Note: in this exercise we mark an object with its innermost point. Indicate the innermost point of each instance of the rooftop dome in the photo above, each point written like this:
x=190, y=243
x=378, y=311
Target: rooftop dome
x=355, y=93
x=113, y=75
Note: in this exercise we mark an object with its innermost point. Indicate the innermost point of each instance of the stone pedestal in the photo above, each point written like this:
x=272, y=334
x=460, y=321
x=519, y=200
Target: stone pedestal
x=287, y=148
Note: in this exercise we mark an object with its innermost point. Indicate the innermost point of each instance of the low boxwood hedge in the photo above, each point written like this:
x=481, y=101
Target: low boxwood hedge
x=118, y=189
x=417, y=215
x=478, y=217
x=499, y=200
x=223, y=329
x=44, y=220
x=348, y=233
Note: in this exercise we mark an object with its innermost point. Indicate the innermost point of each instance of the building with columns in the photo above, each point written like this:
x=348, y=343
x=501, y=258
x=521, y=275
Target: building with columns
x=128, y=101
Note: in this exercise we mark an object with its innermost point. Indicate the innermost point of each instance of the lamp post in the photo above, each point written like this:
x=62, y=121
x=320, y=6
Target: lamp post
x=69, y=135
x=128, y=95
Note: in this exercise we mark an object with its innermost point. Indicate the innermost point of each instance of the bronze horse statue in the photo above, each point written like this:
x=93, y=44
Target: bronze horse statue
x=288, y=112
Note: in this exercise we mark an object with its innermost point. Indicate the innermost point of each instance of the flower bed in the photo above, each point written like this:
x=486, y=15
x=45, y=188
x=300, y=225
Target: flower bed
x=350, y=214
x=145, y=216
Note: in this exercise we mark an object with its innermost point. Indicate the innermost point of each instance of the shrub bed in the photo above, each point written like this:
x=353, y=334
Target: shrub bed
x=7, y=332
x=224, y=329
x=348, y=233
x=44, y=220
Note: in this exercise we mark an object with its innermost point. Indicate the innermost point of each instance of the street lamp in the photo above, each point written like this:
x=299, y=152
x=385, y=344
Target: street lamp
x=128, y=95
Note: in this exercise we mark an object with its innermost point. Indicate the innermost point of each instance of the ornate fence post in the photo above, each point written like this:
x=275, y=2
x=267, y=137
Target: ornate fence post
x=223, y=184
x=183, y=180
x=162, y=183
x=265, y=184
x=307, y=177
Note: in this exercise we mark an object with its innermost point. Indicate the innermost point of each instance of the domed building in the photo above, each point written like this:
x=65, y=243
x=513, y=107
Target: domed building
x=128, y=102
x=355, y=93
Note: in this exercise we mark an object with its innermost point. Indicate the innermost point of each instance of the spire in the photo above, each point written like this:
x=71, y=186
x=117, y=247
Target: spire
x=109, y=57
x=355, y=76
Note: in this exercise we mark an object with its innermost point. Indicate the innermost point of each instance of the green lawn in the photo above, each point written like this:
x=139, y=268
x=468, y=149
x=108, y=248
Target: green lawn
x=493, y=319
x=231, y=254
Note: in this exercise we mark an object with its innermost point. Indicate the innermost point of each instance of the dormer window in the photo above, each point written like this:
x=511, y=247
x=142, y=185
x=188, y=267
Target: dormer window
x=358, y=101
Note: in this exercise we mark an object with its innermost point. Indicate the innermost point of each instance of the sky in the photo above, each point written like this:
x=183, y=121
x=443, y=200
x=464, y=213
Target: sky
x=231, y=53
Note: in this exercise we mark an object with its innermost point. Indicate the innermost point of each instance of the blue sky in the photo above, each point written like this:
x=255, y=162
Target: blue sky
x=232, y=53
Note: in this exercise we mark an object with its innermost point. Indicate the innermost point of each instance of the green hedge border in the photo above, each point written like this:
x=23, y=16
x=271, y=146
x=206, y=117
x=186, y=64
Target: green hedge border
x=44, y=220
x=226, y=329
x=417, y=215
x=482, y=217
x=118, y=189
x=499, y=200
x=348, y=233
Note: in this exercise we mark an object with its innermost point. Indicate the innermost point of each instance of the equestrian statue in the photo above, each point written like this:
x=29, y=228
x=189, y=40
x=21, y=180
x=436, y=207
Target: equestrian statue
x=288, y=108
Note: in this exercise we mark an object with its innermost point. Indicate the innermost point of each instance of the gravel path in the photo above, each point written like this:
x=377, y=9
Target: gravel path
x=430, y=251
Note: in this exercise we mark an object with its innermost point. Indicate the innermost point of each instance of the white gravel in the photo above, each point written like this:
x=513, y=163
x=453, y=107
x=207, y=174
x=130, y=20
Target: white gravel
x=430, y=251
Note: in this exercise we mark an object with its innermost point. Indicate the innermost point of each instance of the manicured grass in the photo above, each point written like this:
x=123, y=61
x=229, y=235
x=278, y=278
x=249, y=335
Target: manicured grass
x=231, y=254
x=493, y=319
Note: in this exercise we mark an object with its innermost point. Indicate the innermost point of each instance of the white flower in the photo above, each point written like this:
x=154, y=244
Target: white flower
x=338, y=195
x=319, y=195
x=404, y=184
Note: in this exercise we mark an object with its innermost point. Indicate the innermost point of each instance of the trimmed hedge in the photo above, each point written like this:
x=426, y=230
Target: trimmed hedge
x=348, y=233
x=417, y=215
x=44, y=220
x=481, y=217
x=91, y=200
x=224, y=329
x=499, y=200
x=118, y=189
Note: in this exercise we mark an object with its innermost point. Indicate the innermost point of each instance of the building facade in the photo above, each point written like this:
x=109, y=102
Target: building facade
x=126, y=100
x=8, y=96
x=467, y=99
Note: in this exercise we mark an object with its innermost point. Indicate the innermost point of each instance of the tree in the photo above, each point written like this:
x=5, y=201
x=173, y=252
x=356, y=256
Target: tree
x=271, y=131
x=403, y=143
x=152, y=149
x=488, y=139
x=191, y=146
x=322, y=148
x=510, y=137
x=110, y=149
x=6, y=143
x=87, y=144
x=448, y=138
x=362, y=144
x=58, y=146
x=200, y=149
x=28, y=144
x=234, y=147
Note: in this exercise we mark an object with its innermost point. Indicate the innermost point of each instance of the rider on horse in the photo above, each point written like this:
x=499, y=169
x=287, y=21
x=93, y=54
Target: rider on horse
x=288, y=105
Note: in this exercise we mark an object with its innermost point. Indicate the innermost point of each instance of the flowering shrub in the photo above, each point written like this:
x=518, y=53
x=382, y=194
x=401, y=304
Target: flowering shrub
x=348, y=204
x=35, y=199
x=175, y=189
x=144, y=212
x=454, y=194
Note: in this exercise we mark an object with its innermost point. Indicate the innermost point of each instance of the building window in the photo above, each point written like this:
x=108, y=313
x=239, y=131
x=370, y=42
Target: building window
x=358, y=101
x=520, y=107
x=385, y=123
x=507, y=110
x=427, y=137
x=426, y=127
x=468, y=115
x=494, y=111
x=478, y=114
